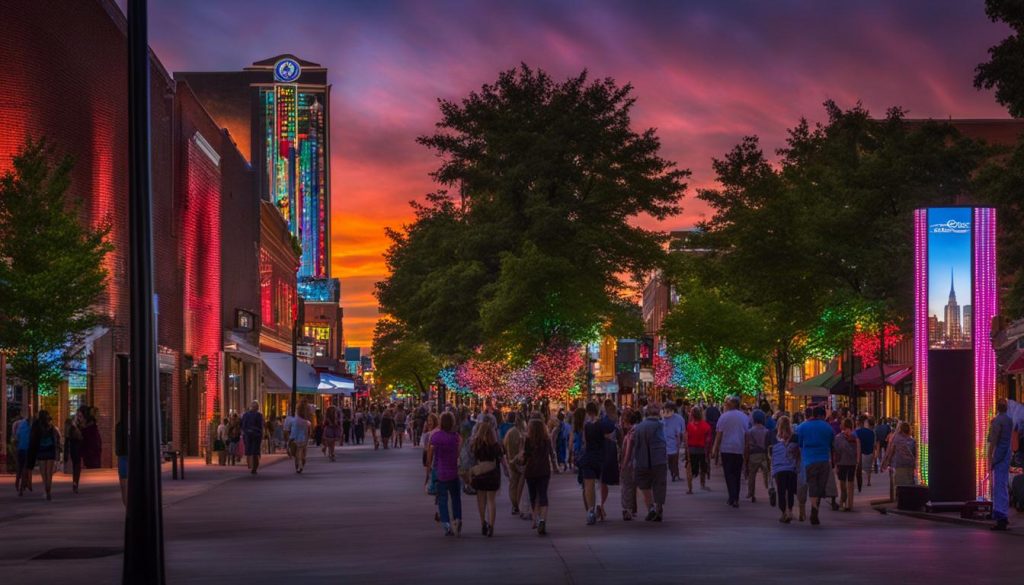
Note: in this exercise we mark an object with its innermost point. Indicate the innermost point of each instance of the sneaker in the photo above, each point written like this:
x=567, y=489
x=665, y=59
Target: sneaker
x=483, y=529
x=657, y=517
x=814, y=517
x=651, y=514
x=542, y=528
x=591, y=518
x=1001, y=526
x=771, y=498
x=448, y=529
x=515, y=511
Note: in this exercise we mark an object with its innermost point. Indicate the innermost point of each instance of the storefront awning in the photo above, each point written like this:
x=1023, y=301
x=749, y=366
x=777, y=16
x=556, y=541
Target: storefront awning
x=870, y=378
x=277, y=374
x=335, y=384
x=821, y=384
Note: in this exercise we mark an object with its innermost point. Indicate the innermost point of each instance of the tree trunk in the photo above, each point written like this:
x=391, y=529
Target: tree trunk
x=881, y=354
x=781, y=376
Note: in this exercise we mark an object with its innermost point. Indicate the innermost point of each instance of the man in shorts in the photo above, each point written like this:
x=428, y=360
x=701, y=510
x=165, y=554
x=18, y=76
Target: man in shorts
x=650, y=462
x=815, y=438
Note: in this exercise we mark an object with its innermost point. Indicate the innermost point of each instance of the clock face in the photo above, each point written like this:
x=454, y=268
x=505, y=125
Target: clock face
x=286, y=70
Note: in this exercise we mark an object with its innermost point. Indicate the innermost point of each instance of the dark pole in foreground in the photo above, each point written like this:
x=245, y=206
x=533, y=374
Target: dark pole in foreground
x=143, y=526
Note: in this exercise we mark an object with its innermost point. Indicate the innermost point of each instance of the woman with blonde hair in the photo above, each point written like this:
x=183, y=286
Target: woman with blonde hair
x=485, y=474
x=298, y=436
x=785, y=456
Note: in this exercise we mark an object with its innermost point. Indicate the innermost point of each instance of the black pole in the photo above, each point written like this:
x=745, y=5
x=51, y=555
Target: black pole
x=300, y=317
x=295, y=358
x=143, y=527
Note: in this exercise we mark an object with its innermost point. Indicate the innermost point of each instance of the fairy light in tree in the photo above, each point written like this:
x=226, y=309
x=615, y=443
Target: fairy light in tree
x=865, y=342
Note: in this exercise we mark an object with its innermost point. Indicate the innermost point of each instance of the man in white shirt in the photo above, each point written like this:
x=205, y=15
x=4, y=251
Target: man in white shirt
x=675, y=427
x=730, y=439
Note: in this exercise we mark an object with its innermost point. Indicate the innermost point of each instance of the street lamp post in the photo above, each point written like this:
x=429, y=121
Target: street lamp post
x=143, y=533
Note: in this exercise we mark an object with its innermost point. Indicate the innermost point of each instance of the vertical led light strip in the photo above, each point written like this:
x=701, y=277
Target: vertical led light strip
x=986, y=306
x=921, y=338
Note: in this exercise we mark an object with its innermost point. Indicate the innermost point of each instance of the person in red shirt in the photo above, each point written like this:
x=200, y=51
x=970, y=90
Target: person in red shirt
x=698, y=439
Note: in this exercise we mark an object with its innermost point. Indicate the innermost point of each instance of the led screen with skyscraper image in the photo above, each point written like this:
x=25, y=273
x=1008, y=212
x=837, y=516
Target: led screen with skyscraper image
x=950, y=287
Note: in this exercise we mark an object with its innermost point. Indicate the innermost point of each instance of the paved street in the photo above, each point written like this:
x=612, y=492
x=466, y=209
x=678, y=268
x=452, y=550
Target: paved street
x=364, y=519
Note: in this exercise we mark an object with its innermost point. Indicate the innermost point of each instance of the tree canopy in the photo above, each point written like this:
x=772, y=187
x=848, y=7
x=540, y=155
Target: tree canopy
x=1005, y=69
x=529, y=242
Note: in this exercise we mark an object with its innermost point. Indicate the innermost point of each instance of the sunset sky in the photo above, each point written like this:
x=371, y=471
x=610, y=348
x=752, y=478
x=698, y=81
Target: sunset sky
x=705, y=75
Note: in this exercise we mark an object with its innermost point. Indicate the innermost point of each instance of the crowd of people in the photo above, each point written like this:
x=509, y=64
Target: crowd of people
x=811, y=456
x=38, y=442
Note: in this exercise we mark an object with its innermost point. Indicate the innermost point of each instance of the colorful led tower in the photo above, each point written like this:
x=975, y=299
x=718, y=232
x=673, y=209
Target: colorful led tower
x=954, y=368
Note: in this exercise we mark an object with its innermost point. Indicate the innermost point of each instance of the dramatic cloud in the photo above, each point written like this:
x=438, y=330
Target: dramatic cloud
x=706, y=74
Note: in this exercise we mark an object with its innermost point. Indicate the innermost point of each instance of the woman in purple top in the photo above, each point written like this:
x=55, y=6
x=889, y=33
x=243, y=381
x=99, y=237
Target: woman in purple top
x=443, y=458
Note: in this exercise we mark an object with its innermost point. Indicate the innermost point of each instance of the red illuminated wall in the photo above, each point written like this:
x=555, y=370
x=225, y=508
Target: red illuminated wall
x=200, y=251
x=64, y=78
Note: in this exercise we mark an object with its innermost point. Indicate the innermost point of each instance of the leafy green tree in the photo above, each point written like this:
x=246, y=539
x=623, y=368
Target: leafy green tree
x=760, y=250
x=51, y=267
x=1005, y=69
x=401, y=359
x=1000, y=182
x=862, y=178
x=719, y=346
x=532, y=252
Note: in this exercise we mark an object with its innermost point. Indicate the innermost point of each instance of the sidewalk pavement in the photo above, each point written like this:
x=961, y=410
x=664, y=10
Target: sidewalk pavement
x=366, y=519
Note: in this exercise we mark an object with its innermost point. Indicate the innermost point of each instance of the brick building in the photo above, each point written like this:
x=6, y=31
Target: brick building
x=66, y=80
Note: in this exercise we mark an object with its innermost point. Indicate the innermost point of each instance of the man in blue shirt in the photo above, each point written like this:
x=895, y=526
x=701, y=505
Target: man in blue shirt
x=868, y=452
x=815, y=438
x=999, y=433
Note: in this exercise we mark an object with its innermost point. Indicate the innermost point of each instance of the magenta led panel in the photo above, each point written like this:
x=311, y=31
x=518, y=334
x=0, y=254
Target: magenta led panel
x=986, y=306
x=921, y=338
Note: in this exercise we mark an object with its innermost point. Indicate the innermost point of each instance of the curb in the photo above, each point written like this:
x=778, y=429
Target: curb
x=976, y=524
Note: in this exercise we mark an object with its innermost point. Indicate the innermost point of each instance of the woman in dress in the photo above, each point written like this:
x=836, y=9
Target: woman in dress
x=42, y=449
x=486, y=473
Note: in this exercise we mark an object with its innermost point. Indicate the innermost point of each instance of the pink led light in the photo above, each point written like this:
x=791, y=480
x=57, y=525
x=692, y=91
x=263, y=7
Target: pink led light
x=986, y=306
x=921, y=338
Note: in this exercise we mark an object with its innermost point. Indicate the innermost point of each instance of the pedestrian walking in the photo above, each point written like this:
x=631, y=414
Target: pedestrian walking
x=91, y=449
x=846, y=448
x=535, y=459
x=21, y=430
x=333, y=431
x=43, y=447
x=1000, y=432
x=346, y=426
x=650, y=462
x=755, y=454
x=901, y=456
x=730, y=438
x=785, y=459
x=443, y=459
x=627, y=470
x=868, y=451
x=400, y=426
x=698, y=441
x=563, y=433
x=372, y=424
x=220, y=442
x=359, y=426
x=72, y=448
x=513, y=444
x=594, y=430
x=299, y=431
x=234, y=438
x=387, y=427
x=610, y=464
x=252, y=426
x=486, y=473
x=675, y=429
x=815, y=440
